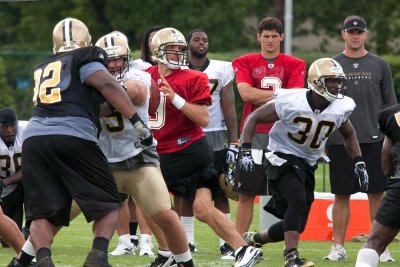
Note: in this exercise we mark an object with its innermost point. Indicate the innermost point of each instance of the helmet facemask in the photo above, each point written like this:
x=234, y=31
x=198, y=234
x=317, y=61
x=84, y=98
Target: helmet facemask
x=182, y=56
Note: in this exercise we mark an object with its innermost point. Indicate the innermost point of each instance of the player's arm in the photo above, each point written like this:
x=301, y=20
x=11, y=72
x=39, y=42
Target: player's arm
x=137, y=91
x=14, y=178
x=350, y=139
x=254, y=95
x=264, y=114
x=387, y=158
x=229, y=111
x=112, y=91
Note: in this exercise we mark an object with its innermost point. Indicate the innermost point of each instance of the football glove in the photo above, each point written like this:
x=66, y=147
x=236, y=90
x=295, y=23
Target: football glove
x=246, y=161
x=143, y=132
x=231, y=155
x=360, y=172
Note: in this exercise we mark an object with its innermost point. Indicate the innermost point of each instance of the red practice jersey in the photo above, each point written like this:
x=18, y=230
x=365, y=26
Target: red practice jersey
x=285, y=72
x=171, y=128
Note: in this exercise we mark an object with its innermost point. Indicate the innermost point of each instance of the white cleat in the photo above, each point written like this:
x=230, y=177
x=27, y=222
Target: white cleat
x=337, y=253
x=385, y=256
x=123, y=249
x=146, y=248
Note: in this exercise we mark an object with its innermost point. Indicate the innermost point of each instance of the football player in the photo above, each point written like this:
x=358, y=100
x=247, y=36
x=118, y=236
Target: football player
x=177, y=126
x=11, y=191
x=387, y=220
x=303, y=119
x=223, y=120
x=69, y=88
x=136, y=169
x=257, y=76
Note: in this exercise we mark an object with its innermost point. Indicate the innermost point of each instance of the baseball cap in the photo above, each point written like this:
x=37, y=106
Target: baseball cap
x=8, y=117
x=355, y=23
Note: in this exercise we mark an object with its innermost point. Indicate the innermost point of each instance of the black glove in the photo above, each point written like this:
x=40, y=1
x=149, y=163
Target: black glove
x=246, y=161
x=360, y=172
x=143, y=132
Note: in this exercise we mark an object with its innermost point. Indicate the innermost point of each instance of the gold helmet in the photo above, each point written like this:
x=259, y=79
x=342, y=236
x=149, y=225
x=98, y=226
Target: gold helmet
x=159, y=47
x=319, y=71
x=70, y=34
x=227, y=185
x=116, y=46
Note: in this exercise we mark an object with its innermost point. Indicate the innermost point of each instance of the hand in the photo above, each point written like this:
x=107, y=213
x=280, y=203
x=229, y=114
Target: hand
x=143, y=132
x=232, y=154
x=2, y=186
x=360, y=172
x=246, y=161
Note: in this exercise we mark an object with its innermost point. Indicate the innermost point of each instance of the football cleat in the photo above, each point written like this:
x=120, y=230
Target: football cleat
x=45, y=262
x=225, y=249
x=96, y=258
x=123, y=249
x=248, y=256
x=337, y=253
x=385, y=256
x=192, y=248
x=161, y=261
x=229, y=256
x=146, y=247
x=16, y=263
x=293, y=260
x=249, y=238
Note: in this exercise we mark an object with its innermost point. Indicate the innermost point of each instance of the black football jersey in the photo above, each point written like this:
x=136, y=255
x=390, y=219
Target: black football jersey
x=58, y=89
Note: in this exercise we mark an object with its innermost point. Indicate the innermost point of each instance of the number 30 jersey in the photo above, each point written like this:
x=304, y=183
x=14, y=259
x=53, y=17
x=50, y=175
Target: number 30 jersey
x=10, y=157
x=302, y=132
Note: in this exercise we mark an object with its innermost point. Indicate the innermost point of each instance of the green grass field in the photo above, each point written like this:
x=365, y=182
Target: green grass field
x=72, y=244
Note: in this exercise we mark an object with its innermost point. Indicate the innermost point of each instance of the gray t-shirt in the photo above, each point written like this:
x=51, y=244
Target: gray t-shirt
x=369, y=82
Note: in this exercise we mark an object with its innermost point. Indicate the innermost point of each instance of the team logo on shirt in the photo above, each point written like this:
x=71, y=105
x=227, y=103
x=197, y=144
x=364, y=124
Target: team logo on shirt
x=356, y=65
x=271, y=65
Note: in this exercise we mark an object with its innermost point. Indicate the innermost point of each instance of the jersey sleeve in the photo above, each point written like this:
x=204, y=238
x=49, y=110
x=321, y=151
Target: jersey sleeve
x=92, y=54
x=389, y=120
x=201, y=95
x=228, y=74
x=242, y=70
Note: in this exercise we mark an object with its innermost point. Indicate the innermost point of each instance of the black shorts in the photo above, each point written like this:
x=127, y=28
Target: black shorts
x=58, y=168
x=255, y=183
x=13, y=205
x=388, y=213
x=191, y=168
x=341, y=169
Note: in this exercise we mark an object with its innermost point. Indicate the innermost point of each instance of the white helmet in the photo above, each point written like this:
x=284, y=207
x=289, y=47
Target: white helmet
x=70, y=34
x=320, y=70
x=159, y=47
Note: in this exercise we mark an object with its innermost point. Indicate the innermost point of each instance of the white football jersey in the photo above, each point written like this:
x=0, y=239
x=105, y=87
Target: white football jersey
x=301, y=131
x=139, y=64
x=118, y=139
x=10, y=158
x=219, y=73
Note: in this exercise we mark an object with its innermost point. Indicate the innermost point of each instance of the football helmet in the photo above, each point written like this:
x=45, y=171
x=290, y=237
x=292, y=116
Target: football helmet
x=116, y=46
x=227, y=184
x=319, y=71
x=159, y=48
x=70, y=34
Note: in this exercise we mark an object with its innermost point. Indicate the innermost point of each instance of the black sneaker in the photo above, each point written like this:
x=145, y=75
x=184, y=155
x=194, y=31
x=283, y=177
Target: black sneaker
x=161, y=261
x=96, y=258
x=192, y=248
x=45, y=262
x=249, y=238
x=293, y=260
x=16, y=263
x=225, y=249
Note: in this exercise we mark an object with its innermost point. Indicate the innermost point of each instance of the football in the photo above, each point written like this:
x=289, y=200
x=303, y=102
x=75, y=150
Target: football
x=154, y=98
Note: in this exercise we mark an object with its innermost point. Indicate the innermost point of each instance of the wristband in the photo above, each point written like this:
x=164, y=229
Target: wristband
x=178, y=101
x=358, y=159
x=135, y=118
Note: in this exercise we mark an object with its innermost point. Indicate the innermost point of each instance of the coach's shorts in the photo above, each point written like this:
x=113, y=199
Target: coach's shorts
x=389, y=211
x=255, y=184
x=58, y=168
x=341, y=169
x=186, y=170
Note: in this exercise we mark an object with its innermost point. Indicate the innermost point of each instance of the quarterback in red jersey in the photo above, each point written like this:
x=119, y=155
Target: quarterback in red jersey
x=257, y=76
x=185, y=155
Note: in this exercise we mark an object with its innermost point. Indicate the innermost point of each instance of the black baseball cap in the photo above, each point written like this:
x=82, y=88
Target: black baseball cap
x=354, y=22
x=8, y=117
